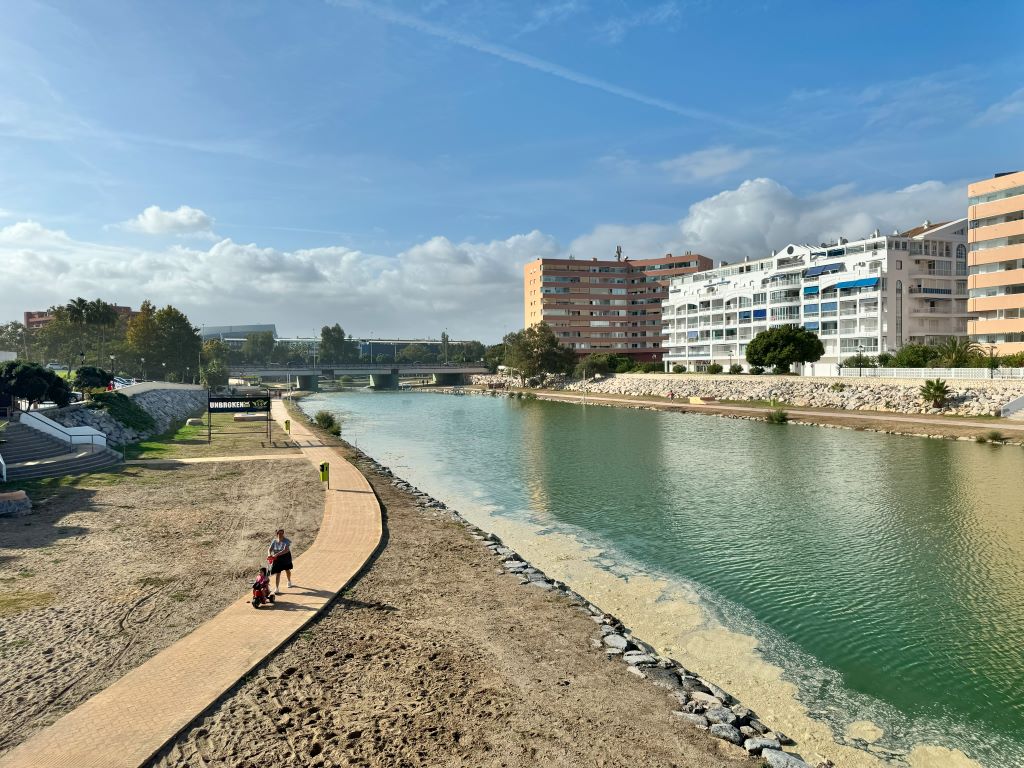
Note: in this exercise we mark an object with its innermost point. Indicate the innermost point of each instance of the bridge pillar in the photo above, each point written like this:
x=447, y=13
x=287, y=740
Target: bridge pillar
x=307, y=383
x=449, y=379
x=385, y=380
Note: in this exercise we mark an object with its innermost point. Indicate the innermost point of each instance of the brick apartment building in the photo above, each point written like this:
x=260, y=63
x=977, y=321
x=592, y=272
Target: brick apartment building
x=41, y=318
x=611, y=306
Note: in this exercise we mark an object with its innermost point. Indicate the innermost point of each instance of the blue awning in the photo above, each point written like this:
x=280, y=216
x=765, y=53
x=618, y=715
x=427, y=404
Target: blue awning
x=692, y=334
x=745, y=315
x=809, y=289
x=811, y=308
x=760, y=314
x=811, y=326
x=864, y=282
x=823, y=269
x=830, y=306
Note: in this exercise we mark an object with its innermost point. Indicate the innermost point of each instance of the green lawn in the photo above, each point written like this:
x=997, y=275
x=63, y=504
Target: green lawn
x=229, y=438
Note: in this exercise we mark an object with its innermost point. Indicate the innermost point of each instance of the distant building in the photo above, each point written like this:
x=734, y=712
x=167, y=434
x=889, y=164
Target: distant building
x=235, y=335
x=995, y=209
x=391, y=348
x=4, y=355
x=872, y=295
x=611, y=306
x=35, y=320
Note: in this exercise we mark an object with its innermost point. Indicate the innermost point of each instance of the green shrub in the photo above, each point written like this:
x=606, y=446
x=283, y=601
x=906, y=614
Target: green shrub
x=781, y=370
x=995, y=436
x=935, y=391
x=678, y=368
x=837, y=386
x=346, y=379
x=755, y=370
x=713, y=369
x=735, y=368
x=327, y=420
x=123, y=409
x=777, y=416
x=646, y=367
x=980, y=439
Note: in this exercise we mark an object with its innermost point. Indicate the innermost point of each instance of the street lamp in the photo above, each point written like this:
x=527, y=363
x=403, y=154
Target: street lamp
x=143, y=361
x=164, y=365
x=113, y=368
x=992, y=361
x=860, y=359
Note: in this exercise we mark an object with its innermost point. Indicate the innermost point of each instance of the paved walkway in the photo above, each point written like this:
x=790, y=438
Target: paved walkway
x=1000, y=424
x=126, y=724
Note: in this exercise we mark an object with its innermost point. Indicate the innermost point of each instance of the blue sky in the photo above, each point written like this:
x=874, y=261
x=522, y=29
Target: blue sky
x=391, y=165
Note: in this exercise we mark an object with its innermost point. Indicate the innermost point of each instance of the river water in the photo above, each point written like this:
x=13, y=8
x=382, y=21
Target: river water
x=866, y=591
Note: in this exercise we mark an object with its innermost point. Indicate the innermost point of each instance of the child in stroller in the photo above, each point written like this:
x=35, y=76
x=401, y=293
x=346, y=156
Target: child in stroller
x=261, y=589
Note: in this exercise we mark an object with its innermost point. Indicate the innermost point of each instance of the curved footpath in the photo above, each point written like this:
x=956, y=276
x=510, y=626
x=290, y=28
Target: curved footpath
x=129, y=722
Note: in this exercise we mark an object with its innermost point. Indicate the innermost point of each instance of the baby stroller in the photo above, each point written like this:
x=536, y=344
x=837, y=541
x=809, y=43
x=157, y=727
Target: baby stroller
x=261, y=593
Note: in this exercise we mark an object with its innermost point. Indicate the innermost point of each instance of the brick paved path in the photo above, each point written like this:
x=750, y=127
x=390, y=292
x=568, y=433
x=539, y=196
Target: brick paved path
x=126, y=724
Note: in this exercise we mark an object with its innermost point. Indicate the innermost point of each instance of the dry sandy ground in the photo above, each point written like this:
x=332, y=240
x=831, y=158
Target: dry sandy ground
x=113, y=567
x=435, y=659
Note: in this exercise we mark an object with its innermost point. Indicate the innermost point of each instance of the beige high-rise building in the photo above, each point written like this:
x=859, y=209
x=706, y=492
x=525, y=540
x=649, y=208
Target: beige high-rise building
x=611, y=306
x=995, y=209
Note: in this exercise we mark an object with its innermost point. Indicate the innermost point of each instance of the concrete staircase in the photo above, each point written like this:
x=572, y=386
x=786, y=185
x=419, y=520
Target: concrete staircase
x=31, y=454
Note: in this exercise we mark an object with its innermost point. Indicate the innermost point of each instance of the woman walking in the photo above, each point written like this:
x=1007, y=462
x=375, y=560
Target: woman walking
x=281, y=551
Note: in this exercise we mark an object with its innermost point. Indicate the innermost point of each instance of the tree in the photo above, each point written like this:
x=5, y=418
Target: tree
x=494, y=356
x=34, y=383
x=14, y=338
x=416, y=353
x=859, y=361
x=142, y=337
x=178, y=342
x=215, y=350
x=214, y=374
x=334, y=346
x=445, y=343
x=536, y=350
x=90, y=377
x=781, y=347
x=914, y=356
x=958, y=352
x=258, y=347
x=935, y=391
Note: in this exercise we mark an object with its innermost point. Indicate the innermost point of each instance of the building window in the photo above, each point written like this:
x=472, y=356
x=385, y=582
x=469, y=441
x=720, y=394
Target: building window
x=961, y=251
x=899, y=264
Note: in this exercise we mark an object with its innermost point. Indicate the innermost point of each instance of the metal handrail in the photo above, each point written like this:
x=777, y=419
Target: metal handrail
x=60, y=428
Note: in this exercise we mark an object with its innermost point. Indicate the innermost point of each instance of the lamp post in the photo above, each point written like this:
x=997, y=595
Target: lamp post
x=164, y=366
x=991, y=361
x=143, y=361
x=730, y=361
x=113, y=368
x=860, y=359
x=188, y=373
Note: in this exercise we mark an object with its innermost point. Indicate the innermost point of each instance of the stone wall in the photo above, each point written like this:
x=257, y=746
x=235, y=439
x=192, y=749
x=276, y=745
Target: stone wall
x=16, y=504
x=967, y=398
x=166, y=406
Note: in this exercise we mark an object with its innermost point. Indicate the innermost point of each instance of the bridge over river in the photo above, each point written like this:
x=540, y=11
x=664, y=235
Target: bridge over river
x=382, y=375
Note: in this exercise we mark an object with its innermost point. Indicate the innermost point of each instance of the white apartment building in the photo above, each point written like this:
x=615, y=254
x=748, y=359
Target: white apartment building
x=875, y=295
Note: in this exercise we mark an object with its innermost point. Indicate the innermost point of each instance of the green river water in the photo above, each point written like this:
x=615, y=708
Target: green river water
x=883, y=574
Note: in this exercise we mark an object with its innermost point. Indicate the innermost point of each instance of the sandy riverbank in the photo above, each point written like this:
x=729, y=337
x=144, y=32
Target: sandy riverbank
x=438, y=657
x=111, y=568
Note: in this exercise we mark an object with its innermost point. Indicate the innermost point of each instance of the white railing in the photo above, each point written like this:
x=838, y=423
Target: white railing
x=70, y=435
x=969, y=374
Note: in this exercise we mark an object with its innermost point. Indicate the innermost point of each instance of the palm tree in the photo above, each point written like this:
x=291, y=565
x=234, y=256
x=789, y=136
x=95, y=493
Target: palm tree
x=957, y=352
x=103, y=316
x=77, y=313
x=935, y=391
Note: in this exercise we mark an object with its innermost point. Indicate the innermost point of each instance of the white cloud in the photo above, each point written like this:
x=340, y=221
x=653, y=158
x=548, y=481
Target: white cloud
x=706, y=163
x=761, y=214
x=472, y=289
x=551, y=13
x=1005, y=109
x=184, y=221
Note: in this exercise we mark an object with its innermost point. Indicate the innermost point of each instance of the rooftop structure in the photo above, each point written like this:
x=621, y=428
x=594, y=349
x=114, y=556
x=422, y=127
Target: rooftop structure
x=870, y=295
x=996, y=236
x=611, y=306
x=224, y=332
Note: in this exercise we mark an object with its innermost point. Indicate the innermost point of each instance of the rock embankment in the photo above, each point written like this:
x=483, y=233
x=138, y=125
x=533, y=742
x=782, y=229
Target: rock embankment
x=967, y=398
x=166, y=406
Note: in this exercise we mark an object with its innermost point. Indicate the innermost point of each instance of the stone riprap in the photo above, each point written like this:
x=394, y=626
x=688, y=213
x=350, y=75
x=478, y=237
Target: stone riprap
x=166, y=406
x=967, y=398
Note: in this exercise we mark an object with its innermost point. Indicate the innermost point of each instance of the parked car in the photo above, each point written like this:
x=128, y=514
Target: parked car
x=77, y=397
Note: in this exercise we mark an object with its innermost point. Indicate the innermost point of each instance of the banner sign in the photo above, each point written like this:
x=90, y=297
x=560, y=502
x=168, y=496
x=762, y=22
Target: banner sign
x=239, y=404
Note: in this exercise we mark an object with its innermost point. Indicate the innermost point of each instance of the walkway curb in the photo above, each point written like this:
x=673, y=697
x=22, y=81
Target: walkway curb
x=128, y=723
